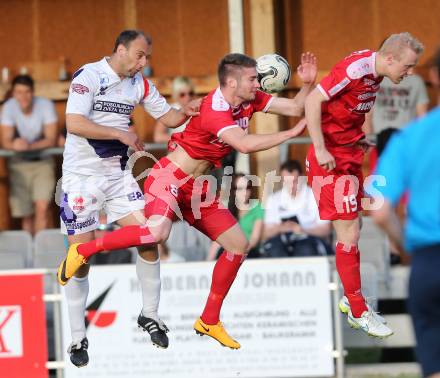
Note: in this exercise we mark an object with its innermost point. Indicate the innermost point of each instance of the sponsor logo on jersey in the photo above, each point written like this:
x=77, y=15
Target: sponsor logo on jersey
x=113, y=107
x=369, y=81
x=174, y=190
x=243, y=122
x=365, y=96
x=133, y=196
x=364, y=106
x=79, y=88
x=102, y=91
x=338, y=87
x=78, y=204
x=80, y=225
x=103, y=79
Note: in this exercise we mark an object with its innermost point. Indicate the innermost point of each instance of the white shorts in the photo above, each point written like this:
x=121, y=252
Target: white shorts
x=83, y=197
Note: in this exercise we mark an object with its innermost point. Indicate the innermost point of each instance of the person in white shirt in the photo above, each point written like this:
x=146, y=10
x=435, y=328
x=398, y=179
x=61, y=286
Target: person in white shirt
x=96, y=176
x=29, y=125
x=293, y=210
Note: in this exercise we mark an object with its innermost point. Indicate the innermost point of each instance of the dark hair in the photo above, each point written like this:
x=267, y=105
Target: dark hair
x=127, y=36
x=232, y=206
x=23, y=80
x=231, y=63
x=291, y=165
x=437, y=61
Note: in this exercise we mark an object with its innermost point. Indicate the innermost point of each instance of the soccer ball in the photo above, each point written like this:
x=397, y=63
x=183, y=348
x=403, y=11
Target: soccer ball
x=273, y=72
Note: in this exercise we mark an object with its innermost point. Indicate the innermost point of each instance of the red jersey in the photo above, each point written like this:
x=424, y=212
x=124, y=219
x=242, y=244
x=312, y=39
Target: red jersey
x=201, y=138
x=350, y=89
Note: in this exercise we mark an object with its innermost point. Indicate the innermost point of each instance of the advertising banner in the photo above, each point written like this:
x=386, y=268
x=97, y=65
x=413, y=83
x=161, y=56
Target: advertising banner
x=23, y=339
x=278, y=309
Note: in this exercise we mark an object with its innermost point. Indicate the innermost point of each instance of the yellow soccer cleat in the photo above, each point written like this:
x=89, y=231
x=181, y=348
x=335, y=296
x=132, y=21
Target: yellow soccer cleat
x=71, y=263
x=217, y=332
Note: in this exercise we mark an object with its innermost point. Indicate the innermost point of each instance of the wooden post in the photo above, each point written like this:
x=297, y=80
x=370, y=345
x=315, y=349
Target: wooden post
x=263, y=42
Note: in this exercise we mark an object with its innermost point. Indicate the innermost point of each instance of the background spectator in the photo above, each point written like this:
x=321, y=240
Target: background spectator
x=182, y=93
x=250, y=216
x=29, y=124
x=292, y=225
x=434, y=75
x=396, y=105
x=410, y=163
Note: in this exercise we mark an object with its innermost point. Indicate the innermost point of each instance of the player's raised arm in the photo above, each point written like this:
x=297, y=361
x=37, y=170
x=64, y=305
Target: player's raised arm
x=307, y=71
x=247, y=143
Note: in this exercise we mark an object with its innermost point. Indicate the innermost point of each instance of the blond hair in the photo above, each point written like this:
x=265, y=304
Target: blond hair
x=396, y=43
x=181, y=82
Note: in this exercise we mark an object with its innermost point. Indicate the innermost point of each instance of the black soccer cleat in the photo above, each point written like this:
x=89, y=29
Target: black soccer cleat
x=78, y=353
x=156, y=329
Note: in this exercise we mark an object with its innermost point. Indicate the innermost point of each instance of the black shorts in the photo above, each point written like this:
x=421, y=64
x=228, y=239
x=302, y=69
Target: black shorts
x=424, y=306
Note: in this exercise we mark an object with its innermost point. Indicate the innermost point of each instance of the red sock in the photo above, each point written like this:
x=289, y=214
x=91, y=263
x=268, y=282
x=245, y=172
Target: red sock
x=348, y=266
x=125, y=237
x=225, y=271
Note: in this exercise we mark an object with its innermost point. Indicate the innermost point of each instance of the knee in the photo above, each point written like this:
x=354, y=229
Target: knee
x=350, y=236
x=241, y=246
x=160, y=234
x=355, y=236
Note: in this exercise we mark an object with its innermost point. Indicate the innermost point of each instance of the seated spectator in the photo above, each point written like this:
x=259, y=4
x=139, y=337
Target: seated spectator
x=29, y=124
x=292, y=226
x=249, y=215
x=182, y=92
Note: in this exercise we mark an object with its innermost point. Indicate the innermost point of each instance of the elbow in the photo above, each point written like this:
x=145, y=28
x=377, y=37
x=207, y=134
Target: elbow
x=381, y=216
x=244, y=149
x=296, y=110
x=71, y=126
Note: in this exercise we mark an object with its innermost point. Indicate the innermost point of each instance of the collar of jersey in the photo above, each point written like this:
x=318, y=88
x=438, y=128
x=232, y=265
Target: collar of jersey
x=373, y=64
x=108, y=69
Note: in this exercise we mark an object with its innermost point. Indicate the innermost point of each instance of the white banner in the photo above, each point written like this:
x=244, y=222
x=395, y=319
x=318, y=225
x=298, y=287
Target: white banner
x=278, y=309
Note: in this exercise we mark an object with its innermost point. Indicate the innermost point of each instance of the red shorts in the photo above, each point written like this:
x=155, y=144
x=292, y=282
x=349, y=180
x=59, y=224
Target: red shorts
x=339, y=192
x=171, y=193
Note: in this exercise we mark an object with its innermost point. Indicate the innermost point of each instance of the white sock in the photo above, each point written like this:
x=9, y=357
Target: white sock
x=77, y=290
x=148, y=274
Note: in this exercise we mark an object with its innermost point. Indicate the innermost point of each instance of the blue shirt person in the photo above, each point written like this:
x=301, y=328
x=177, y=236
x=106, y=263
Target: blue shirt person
x=411, y=162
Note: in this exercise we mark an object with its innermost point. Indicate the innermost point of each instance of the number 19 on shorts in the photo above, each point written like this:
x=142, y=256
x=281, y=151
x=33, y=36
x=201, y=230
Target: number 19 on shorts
x=350, y=203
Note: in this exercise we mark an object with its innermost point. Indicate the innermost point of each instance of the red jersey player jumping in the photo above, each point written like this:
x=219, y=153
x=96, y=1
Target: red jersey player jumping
x=172, y=187
x=335, y=112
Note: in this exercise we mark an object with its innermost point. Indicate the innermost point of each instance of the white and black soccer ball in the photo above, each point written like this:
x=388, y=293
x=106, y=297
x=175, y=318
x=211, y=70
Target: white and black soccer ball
x=273, y=72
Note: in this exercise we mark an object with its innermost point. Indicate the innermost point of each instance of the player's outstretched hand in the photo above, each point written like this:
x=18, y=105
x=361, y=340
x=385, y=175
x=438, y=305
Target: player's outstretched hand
x=325, y=159
x=298, y=128
x=131, y=139
x=308, y=68
x=193, y=107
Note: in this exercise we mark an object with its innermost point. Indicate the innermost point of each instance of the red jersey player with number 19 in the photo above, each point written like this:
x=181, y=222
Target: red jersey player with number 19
x=173, y=189
x=335, y=113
